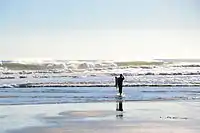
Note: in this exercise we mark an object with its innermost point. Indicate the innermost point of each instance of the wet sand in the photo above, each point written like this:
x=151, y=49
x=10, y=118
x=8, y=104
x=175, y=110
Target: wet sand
x=118, y=117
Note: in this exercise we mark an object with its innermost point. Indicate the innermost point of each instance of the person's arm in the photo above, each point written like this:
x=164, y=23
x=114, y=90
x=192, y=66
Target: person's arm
x=116, y=84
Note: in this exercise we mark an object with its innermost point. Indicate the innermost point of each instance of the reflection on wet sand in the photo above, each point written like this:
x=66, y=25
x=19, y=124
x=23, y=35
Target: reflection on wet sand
x=120, y=116
x=119, y=108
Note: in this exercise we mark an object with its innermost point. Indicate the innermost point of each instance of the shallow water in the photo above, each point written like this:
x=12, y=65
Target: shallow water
x=52, y=95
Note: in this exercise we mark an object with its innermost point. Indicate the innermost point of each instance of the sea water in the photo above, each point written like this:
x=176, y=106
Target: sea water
x=56, y=95
x=61, y=81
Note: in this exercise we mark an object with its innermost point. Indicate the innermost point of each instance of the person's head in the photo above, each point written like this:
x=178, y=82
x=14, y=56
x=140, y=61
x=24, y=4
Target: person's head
x=121, y=75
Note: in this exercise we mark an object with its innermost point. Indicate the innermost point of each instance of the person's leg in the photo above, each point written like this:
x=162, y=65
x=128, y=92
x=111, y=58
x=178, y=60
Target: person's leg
x=120, y=90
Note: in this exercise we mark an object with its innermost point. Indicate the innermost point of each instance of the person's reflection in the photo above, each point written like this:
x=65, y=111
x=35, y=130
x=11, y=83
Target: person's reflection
x=119, y=109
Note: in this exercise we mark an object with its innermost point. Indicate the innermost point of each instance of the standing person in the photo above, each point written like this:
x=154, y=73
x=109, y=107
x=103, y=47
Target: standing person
x=120, y=83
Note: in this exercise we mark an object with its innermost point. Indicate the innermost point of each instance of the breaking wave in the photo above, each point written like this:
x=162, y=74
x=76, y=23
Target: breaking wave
x=91, y=84
x=89, y=64
x=97, y=73
x=72, y=65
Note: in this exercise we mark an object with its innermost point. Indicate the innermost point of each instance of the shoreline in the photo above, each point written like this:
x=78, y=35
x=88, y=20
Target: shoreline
x=35, y=85
x=97, y=102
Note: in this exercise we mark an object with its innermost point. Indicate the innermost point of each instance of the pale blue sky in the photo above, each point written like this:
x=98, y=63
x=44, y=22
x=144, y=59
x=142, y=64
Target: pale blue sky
x=99, y=29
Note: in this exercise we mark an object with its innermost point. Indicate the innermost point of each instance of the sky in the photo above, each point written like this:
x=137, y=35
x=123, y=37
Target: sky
x=99, y=29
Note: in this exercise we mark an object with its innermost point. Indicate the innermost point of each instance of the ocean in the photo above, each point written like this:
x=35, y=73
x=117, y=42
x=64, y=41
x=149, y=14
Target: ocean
x=80, y=81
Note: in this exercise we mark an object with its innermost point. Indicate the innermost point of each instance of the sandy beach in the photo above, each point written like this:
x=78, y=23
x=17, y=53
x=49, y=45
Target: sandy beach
x=119, y=117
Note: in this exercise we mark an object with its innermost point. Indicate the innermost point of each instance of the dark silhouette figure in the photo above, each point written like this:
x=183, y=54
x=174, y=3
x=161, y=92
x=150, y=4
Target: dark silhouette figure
x=119, y=108
x=120, y=83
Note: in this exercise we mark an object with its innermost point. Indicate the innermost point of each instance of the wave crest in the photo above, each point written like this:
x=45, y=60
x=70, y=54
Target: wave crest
x=55, y=65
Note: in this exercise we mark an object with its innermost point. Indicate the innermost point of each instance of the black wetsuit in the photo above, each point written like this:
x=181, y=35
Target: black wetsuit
x=120, y=83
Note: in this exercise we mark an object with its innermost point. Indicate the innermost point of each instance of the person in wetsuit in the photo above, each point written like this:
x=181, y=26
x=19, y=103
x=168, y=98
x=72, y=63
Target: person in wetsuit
x=120, y=83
